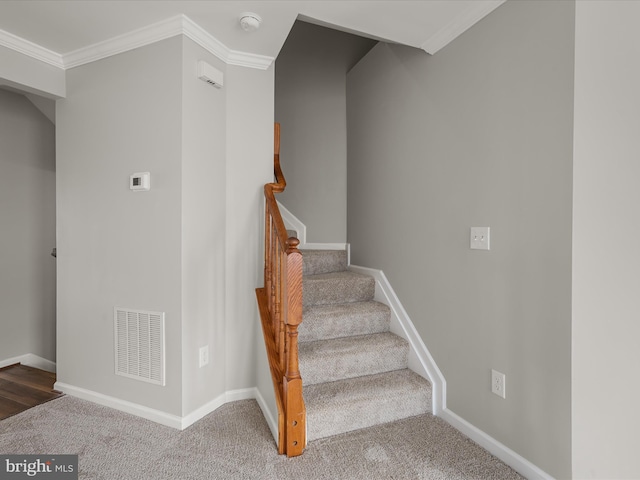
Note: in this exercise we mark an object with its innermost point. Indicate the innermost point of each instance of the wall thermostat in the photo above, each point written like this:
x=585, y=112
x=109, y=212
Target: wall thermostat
x=140, y=182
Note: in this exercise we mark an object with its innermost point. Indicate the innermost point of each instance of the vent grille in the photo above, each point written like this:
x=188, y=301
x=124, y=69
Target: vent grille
x=139, y=341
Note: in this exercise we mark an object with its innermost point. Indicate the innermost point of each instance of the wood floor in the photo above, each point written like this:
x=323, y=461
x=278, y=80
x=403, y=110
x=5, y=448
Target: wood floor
x=23, y=387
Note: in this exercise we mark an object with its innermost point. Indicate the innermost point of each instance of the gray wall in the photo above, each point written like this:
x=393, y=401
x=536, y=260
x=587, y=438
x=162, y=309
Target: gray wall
x=203, y=219
x=28, y=225
x=311, y=108
x=249, y=167
x=191, y=247
x=122, y=115
x=478, y=135
x=606, y=258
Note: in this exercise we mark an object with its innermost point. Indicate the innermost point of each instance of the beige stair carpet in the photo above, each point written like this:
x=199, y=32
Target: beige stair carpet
x=354, y=370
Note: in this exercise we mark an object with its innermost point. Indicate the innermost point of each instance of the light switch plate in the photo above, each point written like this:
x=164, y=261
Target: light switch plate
x=479, y=238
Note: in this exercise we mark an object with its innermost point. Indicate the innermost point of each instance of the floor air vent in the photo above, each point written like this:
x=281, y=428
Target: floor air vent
x=139, y=345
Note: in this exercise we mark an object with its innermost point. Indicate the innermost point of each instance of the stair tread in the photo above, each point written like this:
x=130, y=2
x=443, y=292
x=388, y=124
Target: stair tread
x=343, y=320
x=346, y=405
x=337, y=287
x=349, y=357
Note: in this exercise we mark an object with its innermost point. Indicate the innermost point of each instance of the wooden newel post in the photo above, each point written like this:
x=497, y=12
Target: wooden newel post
x=294, y=404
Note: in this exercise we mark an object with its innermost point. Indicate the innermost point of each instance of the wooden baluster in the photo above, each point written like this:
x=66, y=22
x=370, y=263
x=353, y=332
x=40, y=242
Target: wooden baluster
x=283, y=307
x=274, y=315
x=274, y=279
x=271, y=291
x=268, y=226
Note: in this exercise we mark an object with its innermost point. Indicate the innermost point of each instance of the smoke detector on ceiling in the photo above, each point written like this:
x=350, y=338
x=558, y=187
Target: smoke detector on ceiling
x=250, y=22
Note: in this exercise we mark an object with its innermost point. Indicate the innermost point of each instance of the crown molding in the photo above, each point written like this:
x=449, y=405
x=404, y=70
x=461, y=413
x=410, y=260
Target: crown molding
x=30, y=49
x=249, y=60
x=171, y=27
x=460, y=24
x=203, y=38
x=123, y=43
x=231, y=57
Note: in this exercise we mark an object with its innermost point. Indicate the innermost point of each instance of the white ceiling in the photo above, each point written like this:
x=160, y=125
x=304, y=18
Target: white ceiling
x=66, y=26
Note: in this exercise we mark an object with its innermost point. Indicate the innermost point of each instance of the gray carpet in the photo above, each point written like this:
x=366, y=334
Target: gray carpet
x=234, y=442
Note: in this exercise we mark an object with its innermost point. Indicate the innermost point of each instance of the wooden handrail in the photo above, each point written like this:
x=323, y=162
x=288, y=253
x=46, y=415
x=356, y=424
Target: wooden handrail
x=280, y=305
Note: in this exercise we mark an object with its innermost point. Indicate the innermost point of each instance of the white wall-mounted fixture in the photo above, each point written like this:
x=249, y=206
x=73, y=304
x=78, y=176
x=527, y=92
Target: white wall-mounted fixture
x=139, y=345
x=480, y=238
x=250, y=22
x=499, y=383
x=203, y=356
x=140, y=182
x=210, y=74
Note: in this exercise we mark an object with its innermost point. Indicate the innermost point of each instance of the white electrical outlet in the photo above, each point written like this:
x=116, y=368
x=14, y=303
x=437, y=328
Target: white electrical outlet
x=204, y=356
x=498, y=383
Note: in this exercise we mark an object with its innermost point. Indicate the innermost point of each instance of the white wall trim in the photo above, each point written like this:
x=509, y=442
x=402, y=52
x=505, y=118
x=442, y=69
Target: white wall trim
x=268, y=414
x=291, y=222
x=420, y=360
x=231, y=57
x=154, y=415
x=30, y=360
x=325, y=246
x=514, y=460
x=178, y=25
x=170, y=27
x=123, y=43
x=220, y=400
x=476, y=12
x=30, y=49
x=249, y=60
x=158, y=416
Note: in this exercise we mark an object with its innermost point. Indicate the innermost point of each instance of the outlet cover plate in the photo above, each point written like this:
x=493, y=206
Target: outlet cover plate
x=204, y=356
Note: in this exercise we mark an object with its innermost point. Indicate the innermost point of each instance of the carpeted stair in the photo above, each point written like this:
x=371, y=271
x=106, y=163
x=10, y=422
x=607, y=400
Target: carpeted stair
x=354, y=371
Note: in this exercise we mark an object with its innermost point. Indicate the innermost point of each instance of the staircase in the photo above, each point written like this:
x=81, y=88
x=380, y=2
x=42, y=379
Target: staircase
x=354, y=370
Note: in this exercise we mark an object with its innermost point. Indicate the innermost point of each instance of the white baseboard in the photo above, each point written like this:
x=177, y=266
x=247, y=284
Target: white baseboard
x=30, y=360
x=268, y=415
x=158, y=416
x=514, y=460
x=420, y=360
x=291, y=222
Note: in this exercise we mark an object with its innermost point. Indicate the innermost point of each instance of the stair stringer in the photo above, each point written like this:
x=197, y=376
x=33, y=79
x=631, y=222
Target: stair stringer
x=420, y=360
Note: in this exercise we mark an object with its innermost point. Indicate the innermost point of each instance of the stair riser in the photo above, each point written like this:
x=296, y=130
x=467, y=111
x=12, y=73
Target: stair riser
x=317, y=367
x=323, y=261
x=331, y=291
x=338, y=408
x=353, y=417
x=322, y=322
